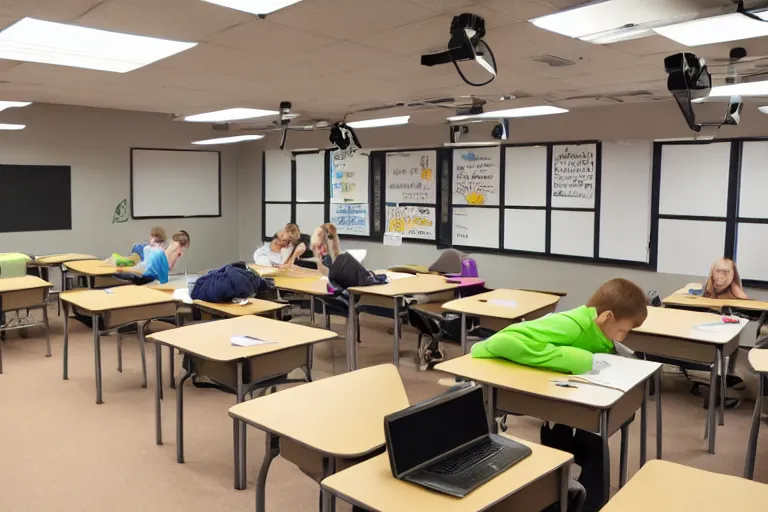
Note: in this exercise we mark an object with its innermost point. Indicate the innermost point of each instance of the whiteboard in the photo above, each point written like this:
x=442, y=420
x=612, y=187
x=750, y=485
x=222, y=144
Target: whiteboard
x=525, y=230
x=574, y=175
x=625, y=200
x=410, y=177
x=525, y=176
x=309, y=216
x=476, y=227
x=476, y=177
x=754, y=180
x=750, y=251
x=694, y=179
x=351, y=219
x=412, y=221
x=275, y=219
x=572, y=233
x=310, y=177
x=277, y=175
x=171, y=183
x=349, y=176
x=689, y=246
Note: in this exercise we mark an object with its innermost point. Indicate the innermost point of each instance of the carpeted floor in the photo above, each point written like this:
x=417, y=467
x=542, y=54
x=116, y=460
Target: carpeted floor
x=59, y=451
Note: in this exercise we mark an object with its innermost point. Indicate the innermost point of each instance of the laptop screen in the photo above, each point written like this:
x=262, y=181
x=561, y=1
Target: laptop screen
x=431, y=430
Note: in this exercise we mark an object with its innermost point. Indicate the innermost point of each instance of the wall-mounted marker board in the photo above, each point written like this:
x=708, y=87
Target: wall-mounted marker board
x=476, y=227
x=310, y=177
x=416, y=222
x=411, y=177
x=476, y=176
x=574, y=175
x=277, y=176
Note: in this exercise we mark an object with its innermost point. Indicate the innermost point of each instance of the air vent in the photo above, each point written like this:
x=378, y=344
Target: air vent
x=552, y=61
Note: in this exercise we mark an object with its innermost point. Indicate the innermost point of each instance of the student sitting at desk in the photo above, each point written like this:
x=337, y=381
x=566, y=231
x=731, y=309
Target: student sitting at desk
x=565, y=342
x=326, y=246
x=159, y=264
x=724, y=281
x=140, y=252
x=283, y=250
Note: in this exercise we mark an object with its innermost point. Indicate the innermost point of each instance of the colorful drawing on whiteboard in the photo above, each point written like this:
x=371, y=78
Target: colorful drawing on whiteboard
x=349, y=177
x=411, y=221
x=476, y=177
x=350, y=219
x=410, y=177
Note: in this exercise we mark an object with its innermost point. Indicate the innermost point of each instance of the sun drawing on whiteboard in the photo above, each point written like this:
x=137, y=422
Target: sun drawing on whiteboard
x=475, y=197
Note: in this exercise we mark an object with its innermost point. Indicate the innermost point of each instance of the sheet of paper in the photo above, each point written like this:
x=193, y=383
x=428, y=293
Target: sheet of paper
x=394, y=239
x=248, y=341
x=616, y=372
x=182, y=295
x=503, y=303
x=394, y=276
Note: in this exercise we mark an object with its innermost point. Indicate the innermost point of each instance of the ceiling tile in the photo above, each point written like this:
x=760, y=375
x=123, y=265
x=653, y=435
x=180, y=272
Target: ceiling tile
x=446, y=5
x=521, y=9
x=650, y=45
x=49, y=10
x=265, y=37
x=345, y=55
x=611, y=77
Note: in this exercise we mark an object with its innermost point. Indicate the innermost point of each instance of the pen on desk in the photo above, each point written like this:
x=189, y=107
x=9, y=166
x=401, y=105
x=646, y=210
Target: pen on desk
x=563, y=384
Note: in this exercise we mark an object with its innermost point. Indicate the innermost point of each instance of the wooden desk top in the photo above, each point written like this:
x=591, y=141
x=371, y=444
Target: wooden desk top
x=97, y=268
x=264, y=271
x=341, y=416
x=119, y=297
x=314, y=285
x=678, y=323
x=213, y=340
x=504, y=374
x=421, y=283
x=758, y=360
x=57, y=259
x=254, y=307
x=17, y=284
x=662, y=486
x=682, y=298
x=477, y=305
x=371, y=484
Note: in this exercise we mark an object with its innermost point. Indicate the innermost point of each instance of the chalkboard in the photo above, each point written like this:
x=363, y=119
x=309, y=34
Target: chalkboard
x=574, y=175
x=349, y=177
x=411, y=177
x=351, y=219
x=476, y=173
x=36, y=198
x=476, y=227
x=412, y=221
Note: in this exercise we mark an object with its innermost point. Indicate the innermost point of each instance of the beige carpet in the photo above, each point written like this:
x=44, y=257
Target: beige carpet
x=59, y=451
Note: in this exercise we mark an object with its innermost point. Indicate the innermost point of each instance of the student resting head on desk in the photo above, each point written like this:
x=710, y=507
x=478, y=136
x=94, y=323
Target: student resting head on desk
x=325, y=245
x=565, y=342
x=283, y=250
x=139, y=251
x=724, y=281
x=159, y=264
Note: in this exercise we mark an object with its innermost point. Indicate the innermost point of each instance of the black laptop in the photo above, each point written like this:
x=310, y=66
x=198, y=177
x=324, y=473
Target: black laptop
x=445, y=443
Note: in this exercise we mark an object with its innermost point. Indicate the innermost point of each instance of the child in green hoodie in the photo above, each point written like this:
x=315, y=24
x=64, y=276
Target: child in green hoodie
x=565, y=342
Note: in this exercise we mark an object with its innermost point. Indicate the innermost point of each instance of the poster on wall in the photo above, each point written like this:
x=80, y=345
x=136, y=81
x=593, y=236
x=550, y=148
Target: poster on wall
x=476, y=174
x=351, y=219
x=411, y=177
x=349, y=176
x=574, y=175
x=412, y=221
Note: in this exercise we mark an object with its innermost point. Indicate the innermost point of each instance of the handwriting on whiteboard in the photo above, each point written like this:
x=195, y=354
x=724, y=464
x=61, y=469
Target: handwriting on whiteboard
x=476, y=176
x=573, y=172
x=350, y=219
x=411, y=177
x=349, y=177
x=412, y=221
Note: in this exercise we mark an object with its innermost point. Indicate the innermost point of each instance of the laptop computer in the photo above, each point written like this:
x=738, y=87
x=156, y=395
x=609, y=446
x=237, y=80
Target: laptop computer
x=445, y=444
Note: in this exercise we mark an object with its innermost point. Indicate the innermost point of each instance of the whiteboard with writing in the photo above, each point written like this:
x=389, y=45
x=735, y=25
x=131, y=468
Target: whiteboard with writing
x=476, y=227
x=476, y=174
x=351, y=219
x=411, y=177
x=349, y=177
x=574, y=176
x=412, y=221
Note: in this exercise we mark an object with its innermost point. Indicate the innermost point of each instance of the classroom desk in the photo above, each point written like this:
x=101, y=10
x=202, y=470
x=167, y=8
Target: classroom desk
x=98, y=272
x=662, y=486
x=421, y=284
x=682, y=299
x=230, y=310
x=758, y=361
x=45, y=263
x=242, y=368
x=115, y=307
x=326, y=425
x=28, y=292
x=528, y=306
x=517, y=389
x=673, y=333
x=531, y=485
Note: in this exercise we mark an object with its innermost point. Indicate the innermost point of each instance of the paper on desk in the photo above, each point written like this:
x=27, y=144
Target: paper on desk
x=394, y=276
x=248, y=341
x=503, y=303
x=615, y=372
x=182, y=295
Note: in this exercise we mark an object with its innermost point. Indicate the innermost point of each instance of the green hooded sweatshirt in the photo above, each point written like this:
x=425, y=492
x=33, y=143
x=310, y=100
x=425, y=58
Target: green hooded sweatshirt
x=563, y=342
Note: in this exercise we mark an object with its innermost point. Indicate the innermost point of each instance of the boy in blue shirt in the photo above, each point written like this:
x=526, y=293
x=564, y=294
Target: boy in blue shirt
x=159, y=264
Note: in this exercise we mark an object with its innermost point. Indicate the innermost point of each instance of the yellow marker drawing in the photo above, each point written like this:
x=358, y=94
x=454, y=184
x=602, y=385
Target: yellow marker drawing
x=426, y=174
x=397, y=225
x=475, y=197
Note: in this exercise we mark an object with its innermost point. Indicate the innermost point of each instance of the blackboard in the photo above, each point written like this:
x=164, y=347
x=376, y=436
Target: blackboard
x=35, y=198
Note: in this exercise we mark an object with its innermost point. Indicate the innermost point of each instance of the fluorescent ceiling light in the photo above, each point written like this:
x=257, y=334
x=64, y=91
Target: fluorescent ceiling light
x=254, y=6
x=715, y=29
x=763, y=110
x=542, y=110
x=230, y=114
x=382, y=121
x=11, y=104
x=32, y=40
x=4, y=126
x=742, y=89
x=228, y=140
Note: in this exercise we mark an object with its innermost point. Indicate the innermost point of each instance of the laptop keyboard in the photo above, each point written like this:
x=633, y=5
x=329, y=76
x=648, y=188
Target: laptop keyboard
x=466, y=459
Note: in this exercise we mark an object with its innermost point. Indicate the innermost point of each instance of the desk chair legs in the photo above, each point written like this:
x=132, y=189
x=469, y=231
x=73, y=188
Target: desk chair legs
x=172, y=367
x=180, y=417
x=66, y=340
x=97, y=357
x=312, y=309
x=643, y=431
x=47, y=328
x=625, y=454
x=396, y=335
x=158, y=393
x=271, y=451
x=490, y=408
x=326, y=317
x=723, y=375
x=239, y=431
x=140, y=336
x=606, y=456
x=565, y=476
x=351, y=335
x=119, y=351
x=749, y=466
x=464, y=335
x=657, y=396
x=328, y=500
x=711, y=418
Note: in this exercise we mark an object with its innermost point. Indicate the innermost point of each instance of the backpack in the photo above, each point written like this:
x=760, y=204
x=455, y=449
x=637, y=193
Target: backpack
x=229, y=282
x=346, y=272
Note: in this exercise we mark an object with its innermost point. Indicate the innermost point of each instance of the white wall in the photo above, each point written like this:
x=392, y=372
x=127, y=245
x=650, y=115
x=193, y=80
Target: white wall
x=96, y=144
x=645, y=121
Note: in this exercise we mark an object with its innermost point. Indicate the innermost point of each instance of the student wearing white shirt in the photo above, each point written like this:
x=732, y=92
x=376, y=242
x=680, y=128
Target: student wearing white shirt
x=283, y=250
